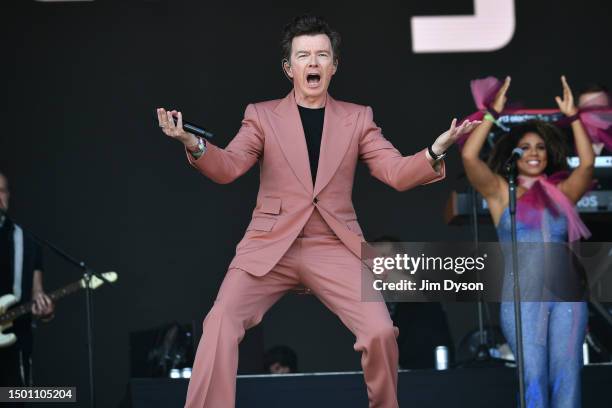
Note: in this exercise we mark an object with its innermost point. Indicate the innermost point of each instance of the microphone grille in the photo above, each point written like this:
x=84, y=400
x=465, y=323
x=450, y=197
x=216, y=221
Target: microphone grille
x=518, y=151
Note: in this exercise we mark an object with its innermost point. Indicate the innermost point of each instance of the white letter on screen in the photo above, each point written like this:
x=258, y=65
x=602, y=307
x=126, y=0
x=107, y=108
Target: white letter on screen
x=489, y=29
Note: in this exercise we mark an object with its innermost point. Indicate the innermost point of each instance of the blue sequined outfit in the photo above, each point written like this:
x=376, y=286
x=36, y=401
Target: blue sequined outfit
x=553, y=332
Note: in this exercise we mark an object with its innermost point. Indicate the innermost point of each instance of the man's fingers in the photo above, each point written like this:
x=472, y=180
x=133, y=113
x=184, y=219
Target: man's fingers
x=174, y=114
x=559, y=101
x=163, y=118
x=179, y=124
x=471, y=126
x=466, y=127
x=453, y=125
x=170, y=119
x=459, y=129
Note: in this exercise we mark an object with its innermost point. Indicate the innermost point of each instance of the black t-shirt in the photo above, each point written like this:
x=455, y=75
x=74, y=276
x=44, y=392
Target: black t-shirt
x=312, y=122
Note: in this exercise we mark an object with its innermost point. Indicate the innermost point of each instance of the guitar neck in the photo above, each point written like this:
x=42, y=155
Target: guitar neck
x=26, y=308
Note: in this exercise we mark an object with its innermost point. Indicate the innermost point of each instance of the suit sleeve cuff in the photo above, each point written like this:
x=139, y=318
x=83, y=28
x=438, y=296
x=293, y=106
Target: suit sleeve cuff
x=432, y=175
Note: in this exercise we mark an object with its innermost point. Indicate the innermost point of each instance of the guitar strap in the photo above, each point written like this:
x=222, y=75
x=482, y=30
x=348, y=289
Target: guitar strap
x=17, y=261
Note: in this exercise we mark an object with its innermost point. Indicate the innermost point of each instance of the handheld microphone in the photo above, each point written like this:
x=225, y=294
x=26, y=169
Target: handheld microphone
x=517, y=153
x=195, y=129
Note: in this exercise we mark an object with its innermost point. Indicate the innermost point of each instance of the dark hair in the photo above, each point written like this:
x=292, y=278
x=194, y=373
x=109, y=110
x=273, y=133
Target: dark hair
x=557, y=148
x=594, y=87
x=283, y=355
x=308, y=25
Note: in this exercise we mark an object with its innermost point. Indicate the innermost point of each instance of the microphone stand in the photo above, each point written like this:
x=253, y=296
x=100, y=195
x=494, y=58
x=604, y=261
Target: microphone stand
x=511, y=171
x=483, y=355
x=88, y=273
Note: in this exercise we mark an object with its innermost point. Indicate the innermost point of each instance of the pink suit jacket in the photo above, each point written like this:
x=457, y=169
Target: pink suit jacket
x=272, y=135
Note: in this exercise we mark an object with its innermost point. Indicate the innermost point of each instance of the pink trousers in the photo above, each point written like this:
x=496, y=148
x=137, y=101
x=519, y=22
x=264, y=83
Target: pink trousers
x=319, y=261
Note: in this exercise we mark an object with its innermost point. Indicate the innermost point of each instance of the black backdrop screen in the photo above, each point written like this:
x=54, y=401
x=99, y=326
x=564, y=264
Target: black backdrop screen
x=90, y=170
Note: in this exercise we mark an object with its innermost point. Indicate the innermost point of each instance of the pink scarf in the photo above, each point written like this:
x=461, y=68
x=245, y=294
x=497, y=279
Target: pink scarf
x=597, y=120
x=543, y=193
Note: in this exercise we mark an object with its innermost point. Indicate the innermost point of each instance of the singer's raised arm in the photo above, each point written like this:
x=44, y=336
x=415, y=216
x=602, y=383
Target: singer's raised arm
x=226, y=165
x=581, y=178
x=490, y=185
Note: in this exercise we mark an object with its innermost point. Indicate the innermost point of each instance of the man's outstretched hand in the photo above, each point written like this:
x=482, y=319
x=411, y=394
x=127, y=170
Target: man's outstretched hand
x=448, y=138
x=176, y=132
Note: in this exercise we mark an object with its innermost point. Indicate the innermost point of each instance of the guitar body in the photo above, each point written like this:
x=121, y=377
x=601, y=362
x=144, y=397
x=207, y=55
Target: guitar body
x=9, y=339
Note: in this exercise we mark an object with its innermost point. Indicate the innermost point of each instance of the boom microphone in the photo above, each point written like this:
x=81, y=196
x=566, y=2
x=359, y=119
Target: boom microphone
x=517, y=153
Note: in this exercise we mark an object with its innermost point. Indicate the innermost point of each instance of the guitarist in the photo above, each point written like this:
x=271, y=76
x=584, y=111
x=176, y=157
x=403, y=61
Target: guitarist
x=21, y=275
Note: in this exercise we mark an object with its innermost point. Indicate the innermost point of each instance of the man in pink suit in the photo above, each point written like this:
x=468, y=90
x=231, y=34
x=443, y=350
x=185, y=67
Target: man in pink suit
x=304, y=230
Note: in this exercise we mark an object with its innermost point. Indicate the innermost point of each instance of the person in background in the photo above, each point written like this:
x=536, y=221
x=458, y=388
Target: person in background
x=21, y=274
x=553, y=331
x=595, y=96
x=280, y=360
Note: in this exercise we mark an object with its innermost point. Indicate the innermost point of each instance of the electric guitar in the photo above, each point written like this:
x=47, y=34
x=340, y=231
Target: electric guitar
x=7, y=316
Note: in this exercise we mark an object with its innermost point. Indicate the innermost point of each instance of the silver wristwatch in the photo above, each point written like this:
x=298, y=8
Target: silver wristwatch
x=201, y=149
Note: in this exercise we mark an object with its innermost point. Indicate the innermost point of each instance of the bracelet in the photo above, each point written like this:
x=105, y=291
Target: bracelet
x=493, y=112
x=488, y=116
x=572, y=118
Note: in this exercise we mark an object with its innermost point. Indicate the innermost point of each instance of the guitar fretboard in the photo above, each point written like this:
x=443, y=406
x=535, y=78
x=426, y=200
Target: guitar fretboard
x=25, y=308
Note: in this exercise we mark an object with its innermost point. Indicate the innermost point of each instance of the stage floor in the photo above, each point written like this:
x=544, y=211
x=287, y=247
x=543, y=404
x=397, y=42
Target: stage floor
x=465, y=387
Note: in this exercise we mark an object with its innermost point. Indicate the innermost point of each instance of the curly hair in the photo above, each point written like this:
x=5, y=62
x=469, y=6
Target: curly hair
x=308, y=25
x=557, y=148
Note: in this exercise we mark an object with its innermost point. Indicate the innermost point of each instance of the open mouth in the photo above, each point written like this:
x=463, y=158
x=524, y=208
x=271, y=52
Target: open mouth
x=313, y=79
x=533, y=163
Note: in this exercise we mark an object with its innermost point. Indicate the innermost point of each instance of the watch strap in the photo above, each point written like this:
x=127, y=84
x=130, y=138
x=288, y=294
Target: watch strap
x=434, y=156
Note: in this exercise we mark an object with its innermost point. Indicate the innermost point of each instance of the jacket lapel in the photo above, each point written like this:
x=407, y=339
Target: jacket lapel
x=290, y=135
x=338, y=129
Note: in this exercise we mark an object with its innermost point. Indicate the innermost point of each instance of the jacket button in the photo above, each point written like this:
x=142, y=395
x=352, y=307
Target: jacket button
x=316, y=200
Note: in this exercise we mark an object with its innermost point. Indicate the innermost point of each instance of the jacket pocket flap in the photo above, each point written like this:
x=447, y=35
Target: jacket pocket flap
x=261, y=224
x=353, y=225
x=271, y=205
